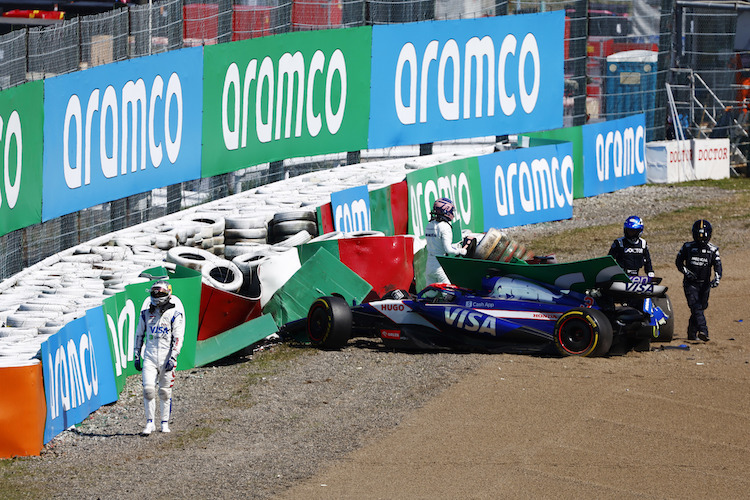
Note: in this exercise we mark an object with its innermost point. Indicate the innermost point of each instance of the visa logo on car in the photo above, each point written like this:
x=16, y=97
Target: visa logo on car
x=639, y=287
x=470, y=321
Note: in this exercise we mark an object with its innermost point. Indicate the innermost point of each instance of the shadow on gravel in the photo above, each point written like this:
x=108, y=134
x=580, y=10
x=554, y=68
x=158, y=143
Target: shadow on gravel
x=105, y=434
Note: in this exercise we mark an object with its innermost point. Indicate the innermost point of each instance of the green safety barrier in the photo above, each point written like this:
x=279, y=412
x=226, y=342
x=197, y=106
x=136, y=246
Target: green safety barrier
x=233, y=340
x=322, y=274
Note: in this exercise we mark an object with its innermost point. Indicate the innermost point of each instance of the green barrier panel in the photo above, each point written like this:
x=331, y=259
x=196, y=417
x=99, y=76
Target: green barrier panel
x=322, y=274
x=420, y=264
x=308, y=250
x=285, y=96
x=227, y=343
x=381, y=216
x=568, y=134
x=123, y=310
x=578, y=276
x=462, y=176
x=21, y=133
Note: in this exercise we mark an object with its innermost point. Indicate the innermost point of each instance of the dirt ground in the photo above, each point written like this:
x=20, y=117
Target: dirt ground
x=367, y=423
x=672, y=423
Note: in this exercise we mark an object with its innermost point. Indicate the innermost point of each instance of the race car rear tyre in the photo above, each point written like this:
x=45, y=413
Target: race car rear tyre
x=583, y=332
x=666, y=331
x=329, y=323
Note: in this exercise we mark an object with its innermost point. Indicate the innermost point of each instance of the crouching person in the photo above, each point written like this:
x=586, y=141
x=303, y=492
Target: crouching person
x=159, y=334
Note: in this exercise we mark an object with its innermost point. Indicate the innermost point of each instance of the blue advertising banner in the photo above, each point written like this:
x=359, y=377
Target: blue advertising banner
x=351, y=209
x=440, y=80
x=78, y=376
x=526, y=186
x=121, y=129
x=614, y=155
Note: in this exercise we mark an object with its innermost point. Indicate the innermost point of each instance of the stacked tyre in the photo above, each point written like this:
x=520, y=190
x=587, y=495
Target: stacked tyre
x=286, y=225
x=209, y=234
x=215, y=271
x=244, y=234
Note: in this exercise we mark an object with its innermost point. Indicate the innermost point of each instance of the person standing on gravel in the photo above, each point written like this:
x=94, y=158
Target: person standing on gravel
x=695, y=260
x=439, y=237
x=630, y=251
x=160, y=330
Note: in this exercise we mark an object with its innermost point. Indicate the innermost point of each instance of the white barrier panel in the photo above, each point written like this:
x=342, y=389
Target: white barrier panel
x=680, y=161
x=711, y=158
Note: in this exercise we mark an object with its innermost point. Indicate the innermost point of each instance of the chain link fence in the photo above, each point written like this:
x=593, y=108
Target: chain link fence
x=710, y=81
x=619, y=56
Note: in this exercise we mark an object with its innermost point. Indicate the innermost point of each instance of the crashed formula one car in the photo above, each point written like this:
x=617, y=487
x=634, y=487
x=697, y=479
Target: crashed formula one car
x=506, y=313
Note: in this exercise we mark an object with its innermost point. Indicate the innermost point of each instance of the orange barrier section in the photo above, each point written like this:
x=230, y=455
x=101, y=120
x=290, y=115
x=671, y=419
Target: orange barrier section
x=23, y=410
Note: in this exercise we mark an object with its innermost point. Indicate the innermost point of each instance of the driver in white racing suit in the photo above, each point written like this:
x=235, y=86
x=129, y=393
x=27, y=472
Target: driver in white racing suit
x=439, y=236
x=160, y=330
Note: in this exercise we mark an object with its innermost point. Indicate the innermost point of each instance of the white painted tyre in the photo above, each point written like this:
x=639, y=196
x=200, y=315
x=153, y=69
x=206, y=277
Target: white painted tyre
x=223, y=275
x=333, y=235
x=244, y=222
x=193, y=258
x=246, y=234
x=294, y=240
x=215, y=220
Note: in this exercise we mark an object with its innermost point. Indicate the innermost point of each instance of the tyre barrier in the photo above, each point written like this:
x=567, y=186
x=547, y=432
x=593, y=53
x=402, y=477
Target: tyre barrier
x=213, y=224
x=248, y=264
x=193, y=258
x=112, y=262
x=295, y=240
x=332, y=235
x=241, y=248
x=222, y=274
x=285, y=225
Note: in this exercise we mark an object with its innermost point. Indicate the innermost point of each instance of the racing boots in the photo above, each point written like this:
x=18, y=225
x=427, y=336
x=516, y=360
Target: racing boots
x=150, y=427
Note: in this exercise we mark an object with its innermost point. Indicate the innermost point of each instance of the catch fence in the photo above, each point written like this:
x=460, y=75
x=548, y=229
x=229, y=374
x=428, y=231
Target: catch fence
x=619, y=56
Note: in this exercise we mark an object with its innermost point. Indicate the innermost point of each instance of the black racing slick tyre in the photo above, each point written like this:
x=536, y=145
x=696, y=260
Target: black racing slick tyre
x=329, y=323
x=666, y=331
x=583, y=332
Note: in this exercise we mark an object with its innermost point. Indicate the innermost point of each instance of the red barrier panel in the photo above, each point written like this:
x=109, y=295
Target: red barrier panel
x=400, y=207
x=250, y=22
x=23, y=410
x=385, y=262
x=221, y=311
x=325, y=219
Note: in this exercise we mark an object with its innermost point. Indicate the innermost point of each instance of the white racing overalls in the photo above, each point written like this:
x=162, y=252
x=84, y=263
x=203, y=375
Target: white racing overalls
x=438, y=236
x=160, y=331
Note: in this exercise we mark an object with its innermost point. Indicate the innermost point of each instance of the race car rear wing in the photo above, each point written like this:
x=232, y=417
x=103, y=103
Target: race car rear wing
x=636, y=289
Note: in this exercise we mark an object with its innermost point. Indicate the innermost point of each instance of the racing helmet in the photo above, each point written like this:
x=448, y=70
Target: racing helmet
x=160, y=293
x=702, y=231
x=443, y=209
x=633, y=228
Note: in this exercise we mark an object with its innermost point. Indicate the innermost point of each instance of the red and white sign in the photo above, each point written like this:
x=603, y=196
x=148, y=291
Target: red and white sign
x=680, y=161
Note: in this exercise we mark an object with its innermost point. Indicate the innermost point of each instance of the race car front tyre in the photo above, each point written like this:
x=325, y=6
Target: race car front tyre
x=666, y=331
x=329, y=323
x=583, y=332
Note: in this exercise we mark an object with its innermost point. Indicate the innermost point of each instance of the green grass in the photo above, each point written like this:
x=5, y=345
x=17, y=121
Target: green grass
x=183, y=440
x=665, y=232
x=15, y=480
x=264, y=364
